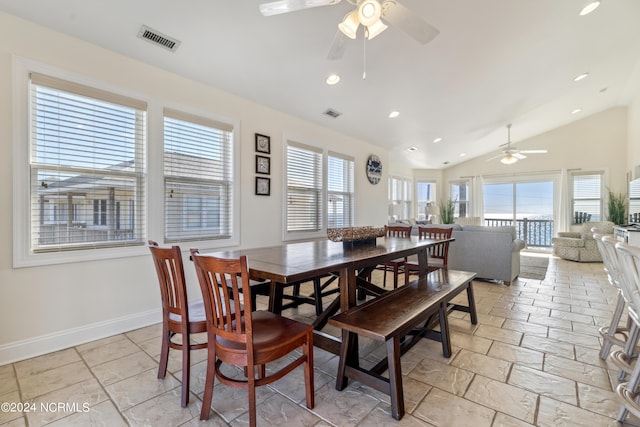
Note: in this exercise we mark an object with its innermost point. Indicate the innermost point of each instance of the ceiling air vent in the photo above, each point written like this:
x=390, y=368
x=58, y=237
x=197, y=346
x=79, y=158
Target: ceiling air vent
x=158, y=38
x=332, y=113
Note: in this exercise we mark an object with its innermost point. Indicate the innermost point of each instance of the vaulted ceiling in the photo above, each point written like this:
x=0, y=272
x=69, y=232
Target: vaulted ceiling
x=494, y=62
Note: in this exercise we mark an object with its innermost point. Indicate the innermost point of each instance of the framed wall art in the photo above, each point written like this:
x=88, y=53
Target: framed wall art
x=263, y=186
x=263, y=144
x=263, y=165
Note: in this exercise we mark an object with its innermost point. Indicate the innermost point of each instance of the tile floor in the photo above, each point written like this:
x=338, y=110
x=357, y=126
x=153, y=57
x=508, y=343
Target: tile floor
x=531, y=360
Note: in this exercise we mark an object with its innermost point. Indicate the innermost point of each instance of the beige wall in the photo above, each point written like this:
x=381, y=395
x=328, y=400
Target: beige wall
x=49, y=307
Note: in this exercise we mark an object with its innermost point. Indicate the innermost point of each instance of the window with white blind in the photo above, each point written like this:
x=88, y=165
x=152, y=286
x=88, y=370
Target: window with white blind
x=198, y=176
x=340, y=190
x=460, y=196
x=86, y=165
x=426, y=200
x=400, y=198
x=304, y=188
x=587, y=197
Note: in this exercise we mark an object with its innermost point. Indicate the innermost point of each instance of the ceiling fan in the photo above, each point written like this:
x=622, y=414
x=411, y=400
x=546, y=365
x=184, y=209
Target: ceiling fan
x=368, y=13
x=511, y=155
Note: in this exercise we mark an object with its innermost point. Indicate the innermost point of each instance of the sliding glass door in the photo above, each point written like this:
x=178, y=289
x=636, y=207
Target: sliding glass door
x=528, y=205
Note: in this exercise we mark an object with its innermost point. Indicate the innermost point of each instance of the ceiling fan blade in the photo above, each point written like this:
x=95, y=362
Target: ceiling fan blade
x=534, y=151
x=286, y=6
x=519, y=155
x=409, y=22
x=338, y=46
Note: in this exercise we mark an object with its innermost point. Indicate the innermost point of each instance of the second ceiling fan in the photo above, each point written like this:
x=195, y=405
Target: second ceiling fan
x=511, y=155
x=371, y=14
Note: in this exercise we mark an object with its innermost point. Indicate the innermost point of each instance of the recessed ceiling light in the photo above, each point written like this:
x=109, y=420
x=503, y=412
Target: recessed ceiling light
x=333, y=79
x=580, y=77
x=437, y=140
x=589, y=8
x=576, y=111
x=394, y=114
x=463, y=154
x=412, y=149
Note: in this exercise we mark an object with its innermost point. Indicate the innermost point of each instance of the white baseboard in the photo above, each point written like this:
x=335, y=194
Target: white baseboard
x=25, y=349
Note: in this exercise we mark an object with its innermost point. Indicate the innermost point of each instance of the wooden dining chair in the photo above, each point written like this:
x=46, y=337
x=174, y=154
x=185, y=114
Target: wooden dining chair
x=179, y=315
x=244, y=338
x=438, y=255
x=395, y=266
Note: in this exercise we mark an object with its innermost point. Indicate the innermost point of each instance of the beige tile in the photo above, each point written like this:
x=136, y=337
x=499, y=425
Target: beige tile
x=78, y=398
x=445, y=377
x=531, y=309
x=470, y=342
x=381, y=416
x=101, y=415
x=45, y=362
x=162, y=410
x=110, y=351
x=8, y=381
x=503, y=335
x=518, y=355
x=98, y=343
x=484, y=365
x=343, y=408
x=551, y=322
x=504, y=398
x=574, y=338
x=11, y=413
x=543, y=383
x=444, y=409
x=53, y=379
x=574, y=317
x=277, y=410
x=146, y=333
x=595, y=399
x=554, y=413
x=503, y=420
x=577, y=371
x=548, y=345
x=141, y=387
x=526, y=327
x=125, y=367
x=509, y=314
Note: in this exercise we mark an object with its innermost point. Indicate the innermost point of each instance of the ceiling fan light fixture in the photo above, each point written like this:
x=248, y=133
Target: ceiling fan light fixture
x=375, y=29
x=589, y=8
x=369, y=12
x=349, y=25
x=508, y=159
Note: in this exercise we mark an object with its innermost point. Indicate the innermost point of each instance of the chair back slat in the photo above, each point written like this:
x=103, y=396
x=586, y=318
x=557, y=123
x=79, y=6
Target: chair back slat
x=222, y=282
x=439, y=251
x=399, y=231
x=170, y=271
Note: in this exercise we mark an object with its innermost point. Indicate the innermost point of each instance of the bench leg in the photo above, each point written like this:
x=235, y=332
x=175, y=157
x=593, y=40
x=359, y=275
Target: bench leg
x=472, y=304
x=395, y=378
x=444, y=330
x=348, y=357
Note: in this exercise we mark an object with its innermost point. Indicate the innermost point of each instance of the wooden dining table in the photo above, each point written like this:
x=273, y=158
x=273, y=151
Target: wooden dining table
x=292, y=263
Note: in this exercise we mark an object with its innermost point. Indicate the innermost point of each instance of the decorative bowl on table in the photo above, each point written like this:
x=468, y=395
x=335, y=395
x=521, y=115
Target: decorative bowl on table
x=355, y=235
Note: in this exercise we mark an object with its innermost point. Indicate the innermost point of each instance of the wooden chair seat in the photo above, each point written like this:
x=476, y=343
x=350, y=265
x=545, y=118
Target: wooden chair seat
x=395, y=266
x=438, y=255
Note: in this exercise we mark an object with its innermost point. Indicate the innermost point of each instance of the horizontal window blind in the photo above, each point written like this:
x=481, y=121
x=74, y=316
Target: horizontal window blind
x=304, y=188
x=587, y=195
x=340, y=191
x=198, y=171
x=86, y=167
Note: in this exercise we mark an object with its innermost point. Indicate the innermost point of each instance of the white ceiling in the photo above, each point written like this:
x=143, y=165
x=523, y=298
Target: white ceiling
x=494, y=62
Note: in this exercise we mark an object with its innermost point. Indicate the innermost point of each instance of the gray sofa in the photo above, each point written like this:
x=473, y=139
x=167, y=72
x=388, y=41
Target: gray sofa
x=491, y=252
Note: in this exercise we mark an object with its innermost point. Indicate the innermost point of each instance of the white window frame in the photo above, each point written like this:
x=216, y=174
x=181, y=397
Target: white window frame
x=154, y=187
x=434, y=199
x=348, y=182
x=456, y=202
x=403, y=198
x=602, y=199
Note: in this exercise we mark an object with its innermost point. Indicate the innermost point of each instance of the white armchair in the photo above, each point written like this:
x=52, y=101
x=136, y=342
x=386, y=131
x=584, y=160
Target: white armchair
x=580, y=245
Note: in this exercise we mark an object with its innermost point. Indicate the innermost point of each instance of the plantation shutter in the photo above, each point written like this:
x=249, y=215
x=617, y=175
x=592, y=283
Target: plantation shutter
x=587, y=196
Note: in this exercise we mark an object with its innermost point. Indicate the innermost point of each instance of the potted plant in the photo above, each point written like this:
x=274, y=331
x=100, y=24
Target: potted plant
x=446, y=211
x=617, y=206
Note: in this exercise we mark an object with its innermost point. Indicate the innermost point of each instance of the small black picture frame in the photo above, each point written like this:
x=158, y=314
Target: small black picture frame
x=263, y=143
x=263, y=186
x=263, y=165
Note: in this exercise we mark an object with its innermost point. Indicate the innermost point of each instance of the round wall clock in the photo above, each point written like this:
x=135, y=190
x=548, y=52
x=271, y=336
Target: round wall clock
x=374, y=169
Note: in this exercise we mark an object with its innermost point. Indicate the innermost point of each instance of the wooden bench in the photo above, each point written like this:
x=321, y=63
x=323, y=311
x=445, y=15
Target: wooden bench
x=399, y=318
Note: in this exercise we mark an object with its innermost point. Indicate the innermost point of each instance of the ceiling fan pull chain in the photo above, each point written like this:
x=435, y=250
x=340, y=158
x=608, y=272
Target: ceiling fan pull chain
x=364, y=54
